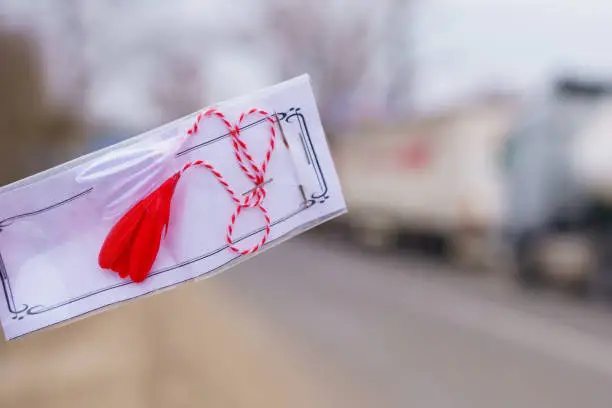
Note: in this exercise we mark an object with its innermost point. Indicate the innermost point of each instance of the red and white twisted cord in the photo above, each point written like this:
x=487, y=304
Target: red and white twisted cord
x=255, y=173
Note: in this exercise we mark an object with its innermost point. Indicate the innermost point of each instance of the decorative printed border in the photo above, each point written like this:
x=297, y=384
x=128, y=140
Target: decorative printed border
x=292, y=116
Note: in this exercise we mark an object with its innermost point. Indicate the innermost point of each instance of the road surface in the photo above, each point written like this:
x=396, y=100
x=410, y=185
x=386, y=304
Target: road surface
x=317, y=323
x=396, y=331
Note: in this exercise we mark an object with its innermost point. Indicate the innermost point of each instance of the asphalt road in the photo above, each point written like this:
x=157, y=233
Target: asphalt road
x=401, y=330
x=315, y=322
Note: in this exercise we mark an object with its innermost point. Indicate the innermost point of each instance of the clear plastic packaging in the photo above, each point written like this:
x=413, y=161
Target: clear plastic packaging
x=129, y=174
x=53, y=225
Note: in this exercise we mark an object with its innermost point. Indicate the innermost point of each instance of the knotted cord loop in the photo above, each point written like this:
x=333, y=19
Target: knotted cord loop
x=255, y=173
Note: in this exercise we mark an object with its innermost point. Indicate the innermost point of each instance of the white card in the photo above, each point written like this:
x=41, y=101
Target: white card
x=52, y=225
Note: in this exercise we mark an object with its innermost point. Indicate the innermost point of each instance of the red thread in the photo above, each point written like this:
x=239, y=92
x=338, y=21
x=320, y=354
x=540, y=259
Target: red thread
x=130, y=249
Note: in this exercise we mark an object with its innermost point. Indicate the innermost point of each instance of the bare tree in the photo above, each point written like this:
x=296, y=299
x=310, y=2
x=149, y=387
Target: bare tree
x=173, y=77
x=334, y=53
x=400, y=63
x=182, y=89
x=338, y=50
x=72, y=35
x=34, y=134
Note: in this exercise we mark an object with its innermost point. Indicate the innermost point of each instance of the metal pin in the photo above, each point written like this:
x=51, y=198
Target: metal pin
x=282, y=131
x=286, y=143
x=303, y=193
x=305, y=149
x=257, y=186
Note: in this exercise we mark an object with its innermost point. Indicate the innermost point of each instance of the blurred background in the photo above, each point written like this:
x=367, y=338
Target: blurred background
x=473, y=139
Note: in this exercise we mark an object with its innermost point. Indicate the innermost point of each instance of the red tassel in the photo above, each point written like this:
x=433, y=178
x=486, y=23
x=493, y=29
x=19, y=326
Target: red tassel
x=131, y=247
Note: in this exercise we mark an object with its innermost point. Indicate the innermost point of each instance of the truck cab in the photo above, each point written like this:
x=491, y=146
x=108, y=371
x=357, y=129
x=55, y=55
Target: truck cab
x=559, y=229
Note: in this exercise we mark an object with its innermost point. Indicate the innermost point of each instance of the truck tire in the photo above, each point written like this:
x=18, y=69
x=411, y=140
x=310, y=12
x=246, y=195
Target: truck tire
x=470, y=251
x=526, y=271
x=565, y=260
x=374, y=239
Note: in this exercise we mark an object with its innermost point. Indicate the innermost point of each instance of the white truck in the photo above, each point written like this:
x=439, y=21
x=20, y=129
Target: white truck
x=558, y=174
x=437, y=176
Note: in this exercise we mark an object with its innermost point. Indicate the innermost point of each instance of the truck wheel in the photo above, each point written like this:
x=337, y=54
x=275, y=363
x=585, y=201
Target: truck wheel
x=469, y=251
x=593, y=284
x=528, y=275
x=374, y=239
x=459, y=253
x=568, y=260
x=527, y=271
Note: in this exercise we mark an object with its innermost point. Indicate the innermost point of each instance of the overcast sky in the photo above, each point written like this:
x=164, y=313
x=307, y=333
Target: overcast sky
x=466, y=44
x=463, y=46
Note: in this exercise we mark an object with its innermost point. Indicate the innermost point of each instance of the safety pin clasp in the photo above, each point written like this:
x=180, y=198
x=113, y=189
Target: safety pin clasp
x=257, y=186
x=286, y=143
